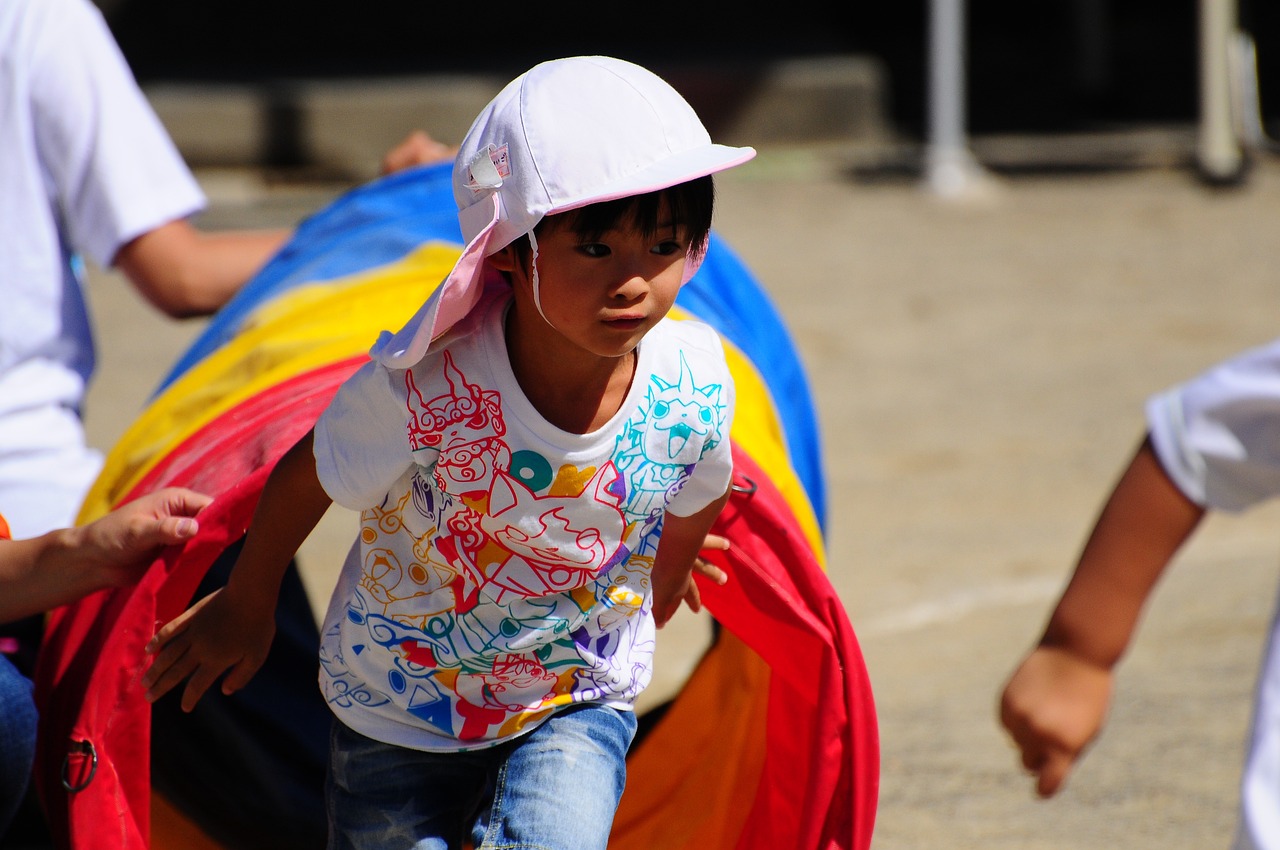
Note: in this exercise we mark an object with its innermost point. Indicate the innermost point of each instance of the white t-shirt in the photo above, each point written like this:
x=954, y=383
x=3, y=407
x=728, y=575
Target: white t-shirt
x=85, y=166
x=1218, y=434
x=502, y=569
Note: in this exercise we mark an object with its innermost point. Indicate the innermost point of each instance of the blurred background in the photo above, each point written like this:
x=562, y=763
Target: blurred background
x=1062, y=66
x=1055, y=65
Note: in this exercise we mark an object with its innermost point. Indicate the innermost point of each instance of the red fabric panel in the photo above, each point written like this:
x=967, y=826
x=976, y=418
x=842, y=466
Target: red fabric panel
x=820, y=784
x=229, y=447
x=91, y=659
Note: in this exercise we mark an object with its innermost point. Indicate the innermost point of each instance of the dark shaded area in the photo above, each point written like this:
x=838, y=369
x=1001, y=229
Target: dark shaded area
x=1064, y=65
x=253, y=39
x=249, y=769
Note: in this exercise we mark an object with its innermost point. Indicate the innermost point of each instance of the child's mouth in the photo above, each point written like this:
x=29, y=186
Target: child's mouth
x=626, y=324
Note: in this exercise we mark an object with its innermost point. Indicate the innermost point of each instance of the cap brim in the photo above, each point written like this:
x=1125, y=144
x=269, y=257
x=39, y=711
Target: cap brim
x=670, y=171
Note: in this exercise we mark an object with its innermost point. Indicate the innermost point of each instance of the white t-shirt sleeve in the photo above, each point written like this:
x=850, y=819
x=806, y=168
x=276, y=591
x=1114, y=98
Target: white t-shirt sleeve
x=714, y=471
x=115, y=170
x=1218, y=435
x=361, y=444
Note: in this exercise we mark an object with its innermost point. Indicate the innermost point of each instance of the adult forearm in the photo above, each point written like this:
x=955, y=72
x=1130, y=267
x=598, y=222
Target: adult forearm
x=42, y=573
x=185, y=272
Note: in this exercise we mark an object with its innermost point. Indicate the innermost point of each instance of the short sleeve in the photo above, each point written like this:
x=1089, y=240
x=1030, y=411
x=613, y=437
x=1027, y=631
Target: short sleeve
x=361, y=446
x=1218, y=434
x=714, y=470
x=115, y=171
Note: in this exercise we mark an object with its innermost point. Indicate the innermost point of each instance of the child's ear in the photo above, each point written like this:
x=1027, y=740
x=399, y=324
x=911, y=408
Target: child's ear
x=504, y=260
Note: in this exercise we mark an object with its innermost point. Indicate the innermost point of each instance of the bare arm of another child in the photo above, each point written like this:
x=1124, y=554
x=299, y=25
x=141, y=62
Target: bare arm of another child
x=1056, y=702
x=683, y=538
x=230, y=630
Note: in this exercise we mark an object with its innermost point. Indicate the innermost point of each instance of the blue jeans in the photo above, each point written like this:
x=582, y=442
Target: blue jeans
x=555, y=788
x=17, y=740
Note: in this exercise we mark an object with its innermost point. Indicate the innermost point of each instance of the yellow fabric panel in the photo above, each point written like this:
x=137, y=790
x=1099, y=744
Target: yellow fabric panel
x=302, y=330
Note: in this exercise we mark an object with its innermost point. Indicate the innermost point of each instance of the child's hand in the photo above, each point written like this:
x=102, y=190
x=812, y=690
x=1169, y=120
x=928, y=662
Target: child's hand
x=707, y=569
x=216, y=635
x=672, y=586
x=1053, y=707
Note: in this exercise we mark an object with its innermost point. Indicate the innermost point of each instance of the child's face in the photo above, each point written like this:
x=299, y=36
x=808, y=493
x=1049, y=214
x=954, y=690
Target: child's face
x=604, y=293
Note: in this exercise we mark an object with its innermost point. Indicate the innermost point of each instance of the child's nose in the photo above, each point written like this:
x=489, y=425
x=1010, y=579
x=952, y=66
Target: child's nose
x=632, y=285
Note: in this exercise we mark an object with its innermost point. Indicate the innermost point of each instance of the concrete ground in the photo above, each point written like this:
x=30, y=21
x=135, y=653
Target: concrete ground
x=979, y=367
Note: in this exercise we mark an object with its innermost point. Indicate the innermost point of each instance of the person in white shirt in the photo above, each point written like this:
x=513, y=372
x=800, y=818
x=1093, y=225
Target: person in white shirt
x=1213, y=443
x=86, y=170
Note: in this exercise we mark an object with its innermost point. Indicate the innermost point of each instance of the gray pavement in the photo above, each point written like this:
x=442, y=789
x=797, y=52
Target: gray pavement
x=979, y=368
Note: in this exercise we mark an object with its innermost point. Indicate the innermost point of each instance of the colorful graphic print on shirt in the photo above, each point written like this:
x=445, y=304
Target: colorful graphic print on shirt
x=500, y=585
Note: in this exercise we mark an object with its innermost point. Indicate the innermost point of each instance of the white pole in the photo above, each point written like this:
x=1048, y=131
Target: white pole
x=950, y=169
x=1218, y=151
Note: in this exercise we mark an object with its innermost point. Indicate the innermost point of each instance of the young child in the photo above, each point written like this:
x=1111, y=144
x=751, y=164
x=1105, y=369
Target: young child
x=539, y=455
x=1213, y=443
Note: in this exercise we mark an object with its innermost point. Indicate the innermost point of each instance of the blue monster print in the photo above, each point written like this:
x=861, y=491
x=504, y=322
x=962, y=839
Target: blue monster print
x=678, y=423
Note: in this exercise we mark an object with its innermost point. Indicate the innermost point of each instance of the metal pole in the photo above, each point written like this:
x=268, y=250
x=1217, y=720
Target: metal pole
x=950, y=169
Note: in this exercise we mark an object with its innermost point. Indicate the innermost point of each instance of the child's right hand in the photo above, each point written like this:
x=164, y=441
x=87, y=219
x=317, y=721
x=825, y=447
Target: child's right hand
x=219, y=634
x=1053, y=706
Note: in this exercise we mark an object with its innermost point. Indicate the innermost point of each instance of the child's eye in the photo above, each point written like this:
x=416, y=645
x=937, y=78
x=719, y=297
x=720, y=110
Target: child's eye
x=594, y=249
x=666, y=248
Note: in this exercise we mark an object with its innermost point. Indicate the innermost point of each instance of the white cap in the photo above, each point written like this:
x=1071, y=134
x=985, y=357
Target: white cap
x=563, y=135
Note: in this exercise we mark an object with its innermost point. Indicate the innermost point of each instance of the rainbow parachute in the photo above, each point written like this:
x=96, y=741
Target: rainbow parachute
x=772, y=741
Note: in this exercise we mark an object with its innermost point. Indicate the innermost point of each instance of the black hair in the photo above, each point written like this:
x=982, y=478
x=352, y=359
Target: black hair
x=689, y=204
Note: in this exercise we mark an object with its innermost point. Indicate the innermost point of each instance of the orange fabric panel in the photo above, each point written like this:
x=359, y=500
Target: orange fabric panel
x=691, y=780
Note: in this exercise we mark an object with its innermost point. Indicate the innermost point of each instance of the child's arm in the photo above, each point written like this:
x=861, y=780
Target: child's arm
x=1056, y=701
x=232, y=628
x=683, y=537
